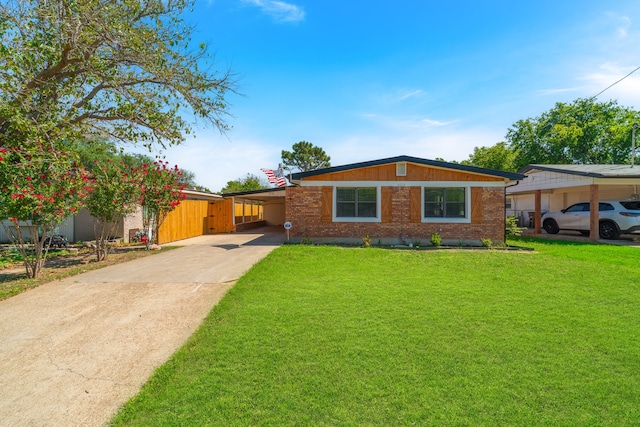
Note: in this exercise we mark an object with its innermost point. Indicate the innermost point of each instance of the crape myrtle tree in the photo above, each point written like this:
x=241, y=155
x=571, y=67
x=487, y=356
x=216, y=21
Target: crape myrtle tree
x=36, y=196
x=161, y=192
x=115, y=195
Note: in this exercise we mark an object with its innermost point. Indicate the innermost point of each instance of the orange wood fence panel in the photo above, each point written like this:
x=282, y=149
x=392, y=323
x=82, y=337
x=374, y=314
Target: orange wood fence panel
x=220, y=216
x=188, y=219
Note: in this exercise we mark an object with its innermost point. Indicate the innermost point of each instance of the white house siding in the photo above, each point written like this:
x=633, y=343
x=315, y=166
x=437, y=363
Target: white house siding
x=131, y=222
x=564, y=197
x=559, y=191
x=84, y=225
x=545, y=180
x=65, y=229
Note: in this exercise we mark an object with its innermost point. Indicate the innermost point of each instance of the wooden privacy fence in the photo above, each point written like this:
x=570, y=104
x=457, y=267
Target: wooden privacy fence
x=189, y=219
x=248, y=211
x=197, y=217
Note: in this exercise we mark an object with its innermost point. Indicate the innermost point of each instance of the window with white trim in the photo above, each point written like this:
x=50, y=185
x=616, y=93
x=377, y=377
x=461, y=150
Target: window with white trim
x=445, y=202
x=356, y=202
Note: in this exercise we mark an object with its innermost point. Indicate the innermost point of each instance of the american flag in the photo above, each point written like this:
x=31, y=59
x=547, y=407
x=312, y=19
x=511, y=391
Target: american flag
x=275, y=177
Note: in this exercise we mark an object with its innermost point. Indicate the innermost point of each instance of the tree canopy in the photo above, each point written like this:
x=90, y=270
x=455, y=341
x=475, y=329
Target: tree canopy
x=499, y=157
x=247, y=183
x=119, y=70
x=582, y=132
x=306, y=157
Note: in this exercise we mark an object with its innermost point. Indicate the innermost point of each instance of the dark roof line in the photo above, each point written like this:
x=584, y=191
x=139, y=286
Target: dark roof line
x=592, y=171
x=427, y=162
x=246, y=193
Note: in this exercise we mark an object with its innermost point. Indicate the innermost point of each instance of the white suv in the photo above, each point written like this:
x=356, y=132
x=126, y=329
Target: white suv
x=615, y=217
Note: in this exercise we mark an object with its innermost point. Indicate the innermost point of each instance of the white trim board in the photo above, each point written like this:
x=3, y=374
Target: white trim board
x=498, y=184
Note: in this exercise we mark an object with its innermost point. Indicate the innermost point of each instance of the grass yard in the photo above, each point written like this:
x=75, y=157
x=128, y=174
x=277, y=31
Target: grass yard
x=329, y=336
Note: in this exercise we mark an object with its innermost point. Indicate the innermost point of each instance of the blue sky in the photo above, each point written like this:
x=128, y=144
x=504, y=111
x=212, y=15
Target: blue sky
x=368, y=80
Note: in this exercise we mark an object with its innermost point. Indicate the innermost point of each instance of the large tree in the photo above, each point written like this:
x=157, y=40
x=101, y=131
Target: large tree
x=499, y=157
x=306, y=157
x=582, y=132
x=122, y=70
x=247, y=183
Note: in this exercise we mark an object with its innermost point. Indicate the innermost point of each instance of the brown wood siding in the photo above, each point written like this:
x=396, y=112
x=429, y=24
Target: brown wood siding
x=476, y=205
x=327, y=204
x=387, y=204
x=415, y=198
x=415, y=172
x=188, y=219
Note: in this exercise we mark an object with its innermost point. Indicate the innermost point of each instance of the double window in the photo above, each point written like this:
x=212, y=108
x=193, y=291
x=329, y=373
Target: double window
x=356, y=202
x=437, y=204
x=445, y=202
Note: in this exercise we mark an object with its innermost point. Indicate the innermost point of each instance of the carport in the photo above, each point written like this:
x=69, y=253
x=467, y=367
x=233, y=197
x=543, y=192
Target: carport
x=555, y=187
x=257, y=208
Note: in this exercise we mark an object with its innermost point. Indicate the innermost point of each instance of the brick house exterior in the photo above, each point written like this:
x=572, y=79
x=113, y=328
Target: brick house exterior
x=398, y=200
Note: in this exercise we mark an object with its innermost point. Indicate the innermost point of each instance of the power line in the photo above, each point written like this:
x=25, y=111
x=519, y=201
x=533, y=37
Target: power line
x=612, y=85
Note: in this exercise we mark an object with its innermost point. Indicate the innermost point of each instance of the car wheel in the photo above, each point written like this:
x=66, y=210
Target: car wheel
x=551, y=226
x=609, y=230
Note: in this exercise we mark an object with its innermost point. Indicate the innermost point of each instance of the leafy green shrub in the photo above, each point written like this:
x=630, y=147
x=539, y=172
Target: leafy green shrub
x=436, y=239
x=487, y=243
x=512, y=228
x=366, y=241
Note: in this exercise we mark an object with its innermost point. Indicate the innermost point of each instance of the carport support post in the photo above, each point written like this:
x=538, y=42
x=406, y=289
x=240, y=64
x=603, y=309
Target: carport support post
x=537, y=214
x=594, y=217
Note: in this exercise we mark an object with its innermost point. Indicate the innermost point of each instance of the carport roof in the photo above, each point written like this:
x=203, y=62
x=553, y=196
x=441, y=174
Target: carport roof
x=193, y=194
x=594, y=171
x=266, y=193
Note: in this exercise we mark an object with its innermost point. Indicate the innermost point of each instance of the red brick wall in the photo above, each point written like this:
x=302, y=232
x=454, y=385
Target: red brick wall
x=304, y=211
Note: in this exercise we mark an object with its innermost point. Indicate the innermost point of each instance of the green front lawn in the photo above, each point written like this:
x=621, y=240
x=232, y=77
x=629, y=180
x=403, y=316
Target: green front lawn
x=351, y=336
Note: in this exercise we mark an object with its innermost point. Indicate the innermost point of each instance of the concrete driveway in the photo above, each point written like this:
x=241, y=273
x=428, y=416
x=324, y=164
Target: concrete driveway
x=73, y=351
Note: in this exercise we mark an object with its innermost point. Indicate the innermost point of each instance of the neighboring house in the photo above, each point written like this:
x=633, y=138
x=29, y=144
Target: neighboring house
x=398, y=200
x=66, y=229
x=548, y=188
x=83, y=226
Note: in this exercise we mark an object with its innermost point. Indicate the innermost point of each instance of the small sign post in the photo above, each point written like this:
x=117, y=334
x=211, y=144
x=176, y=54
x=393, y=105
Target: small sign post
x=287, y=227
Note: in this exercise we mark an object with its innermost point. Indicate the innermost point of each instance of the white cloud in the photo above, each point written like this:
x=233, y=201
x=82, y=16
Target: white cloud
x=545, y=92
x=451, y=142
x=280, y=11
x=406, y=94
x=626, y=91
x=215, y=159
x=399, y=95
x=405, y=123
x=621, y=23
x=609, y=78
